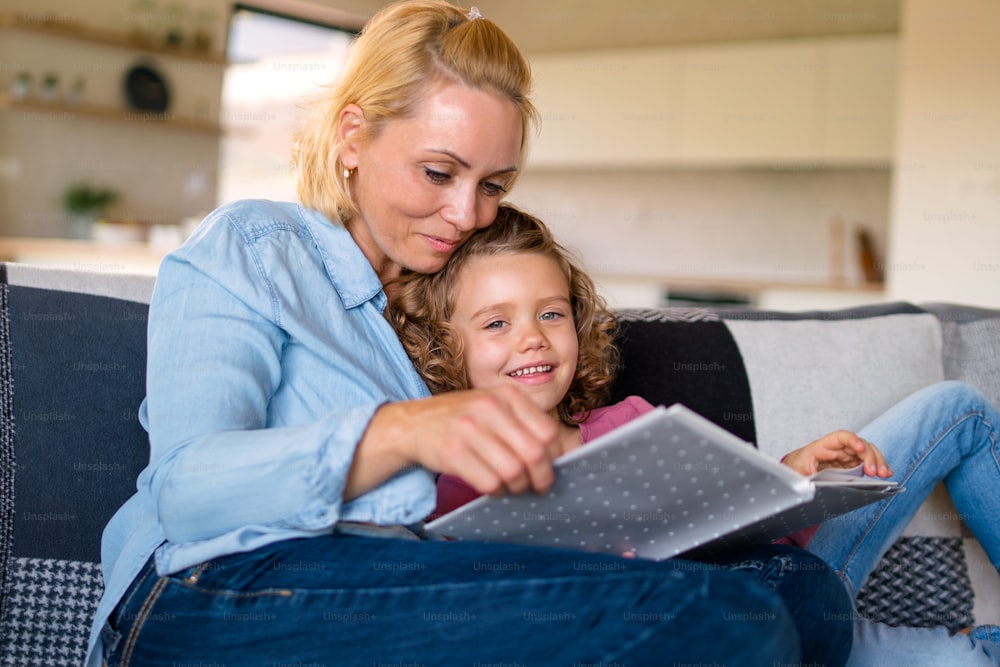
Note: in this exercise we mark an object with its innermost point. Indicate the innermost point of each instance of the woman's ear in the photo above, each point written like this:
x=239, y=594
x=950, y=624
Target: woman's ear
x=350, y=125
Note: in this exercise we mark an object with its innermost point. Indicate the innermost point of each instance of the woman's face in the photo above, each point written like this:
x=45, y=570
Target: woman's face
x=515, y=319
x=426, y=182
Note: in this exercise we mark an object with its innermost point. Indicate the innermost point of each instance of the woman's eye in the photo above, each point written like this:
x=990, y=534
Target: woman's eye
x=493, y=189
x=436, y=176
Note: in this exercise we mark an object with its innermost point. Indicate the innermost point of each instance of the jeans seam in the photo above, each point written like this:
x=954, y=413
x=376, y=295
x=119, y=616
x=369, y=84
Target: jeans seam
x=246, y=595
x=140, y=620
x=147, y=571
x=443, y=585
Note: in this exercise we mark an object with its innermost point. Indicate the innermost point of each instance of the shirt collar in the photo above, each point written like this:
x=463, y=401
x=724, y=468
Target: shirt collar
x=347, y=267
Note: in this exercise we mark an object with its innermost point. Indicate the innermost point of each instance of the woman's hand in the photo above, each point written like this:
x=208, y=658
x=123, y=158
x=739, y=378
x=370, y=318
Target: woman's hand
x=840, y=449
x=496, y=440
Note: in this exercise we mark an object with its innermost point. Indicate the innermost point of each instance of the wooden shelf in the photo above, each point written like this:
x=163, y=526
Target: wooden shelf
x=75, y=31
x=56, y=110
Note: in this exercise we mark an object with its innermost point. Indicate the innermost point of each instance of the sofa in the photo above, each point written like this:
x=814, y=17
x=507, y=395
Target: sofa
x=72, y=371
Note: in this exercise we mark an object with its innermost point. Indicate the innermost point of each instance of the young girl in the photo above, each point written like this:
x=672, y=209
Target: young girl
x=512, y=307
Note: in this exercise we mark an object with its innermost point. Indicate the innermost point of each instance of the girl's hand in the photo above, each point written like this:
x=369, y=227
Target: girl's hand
x=840, y=449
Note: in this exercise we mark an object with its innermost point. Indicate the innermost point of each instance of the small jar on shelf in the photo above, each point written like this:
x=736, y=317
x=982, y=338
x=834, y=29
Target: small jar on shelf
x=204, y=30
x=74, y=95
x=49, y=89
x=20, y=87
x=175, y=19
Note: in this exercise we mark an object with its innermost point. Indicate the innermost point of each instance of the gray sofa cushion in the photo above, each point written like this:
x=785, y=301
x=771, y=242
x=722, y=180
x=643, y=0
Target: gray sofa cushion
x=971, y=346
x=812, y=376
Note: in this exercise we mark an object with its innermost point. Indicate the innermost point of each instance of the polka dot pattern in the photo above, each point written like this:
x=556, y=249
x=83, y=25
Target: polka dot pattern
x=665, y=483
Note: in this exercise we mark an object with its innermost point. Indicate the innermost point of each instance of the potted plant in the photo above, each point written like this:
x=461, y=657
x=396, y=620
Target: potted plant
x=85, y=205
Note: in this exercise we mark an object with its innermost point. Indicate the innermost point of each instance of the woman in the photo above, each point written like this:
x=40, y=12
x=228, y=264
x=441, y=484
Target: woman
x=291, y=439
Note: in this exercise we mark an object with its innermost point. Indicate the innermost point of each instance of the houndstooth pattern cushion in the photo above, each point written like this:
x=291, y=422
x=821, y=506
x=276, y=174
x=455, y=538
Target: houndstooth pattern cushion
x=920, y=582
x=50, y=604
x=6, y=454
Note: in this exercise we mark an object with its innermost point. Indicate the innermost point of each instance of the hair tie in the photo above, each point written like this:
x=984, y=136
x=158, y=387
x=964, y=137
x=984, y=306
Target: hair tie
x=474, y=13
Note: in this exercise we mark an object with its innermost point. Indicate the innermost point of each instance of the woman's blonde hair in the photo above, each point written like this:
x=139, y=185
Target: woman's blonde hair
x=400, y=55
x=422, y=305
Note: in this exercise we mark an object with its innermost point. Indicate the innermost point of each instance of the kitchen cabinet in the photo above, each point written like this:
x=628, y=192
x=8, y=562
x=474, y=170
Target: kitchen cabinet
x=858, y=105
x=750, y=103
x=813, y=102
x=606, y=109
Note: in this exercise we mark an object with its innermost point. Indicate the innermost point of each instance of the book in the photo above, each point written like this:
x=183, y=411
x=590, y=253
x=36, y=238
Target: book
x=665, y=484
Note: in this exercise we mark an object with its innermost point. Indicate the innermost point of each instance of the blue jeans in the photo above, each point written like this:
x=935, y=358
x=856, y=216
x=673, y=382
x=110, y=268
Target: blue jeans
x=353, y=600
x=947, y=432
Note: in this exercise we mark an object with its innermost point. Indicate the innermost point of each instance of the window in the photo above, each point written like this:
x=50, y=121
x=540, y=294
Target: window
x=278, y=62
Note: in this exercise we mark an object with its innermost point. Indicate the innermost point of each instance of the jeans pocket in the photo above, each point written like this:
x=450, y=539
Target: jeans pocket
x=109, y=640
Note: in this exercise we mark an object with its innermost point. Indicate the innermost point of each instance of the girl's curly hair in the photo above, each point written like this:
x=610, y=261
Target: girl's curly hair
x=421, y=307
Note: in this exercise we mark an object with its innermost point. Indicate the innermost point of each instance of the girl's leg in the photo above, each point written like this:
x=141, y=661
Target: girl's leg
x=948, y=431
x=880, y=645
x=349, y=600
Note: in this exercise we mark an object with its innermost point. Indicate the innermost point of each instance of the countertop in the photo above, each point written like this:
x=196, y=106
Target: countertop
x=78, y=254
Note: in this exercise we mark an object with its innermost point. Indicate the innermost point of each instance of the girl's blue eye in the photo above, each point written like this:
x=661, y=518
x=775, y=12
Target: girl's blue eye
x=495, y=324
x=551, y=315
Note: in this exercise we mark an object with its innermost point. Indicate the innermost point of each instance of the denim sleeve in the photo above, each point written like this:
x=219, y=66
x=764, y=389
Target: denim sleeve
x=218, y=463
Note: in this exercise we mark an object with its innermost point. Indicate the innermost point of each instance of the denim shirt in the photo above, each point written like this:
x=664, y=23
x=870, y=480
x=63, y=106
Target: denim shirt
x=268, y=354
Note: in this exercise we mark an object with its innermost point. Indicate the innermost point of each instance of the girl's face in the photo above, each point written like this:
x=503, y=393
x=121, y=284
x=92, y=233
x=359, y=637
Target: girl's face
x=515, y=319
x=426, y=182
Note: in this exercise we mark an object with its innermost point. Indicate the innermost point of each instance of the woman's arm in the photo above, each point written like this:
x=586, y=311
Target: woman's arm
x=497, y=440
x=214, y=367
x=271, y=406
x=260, y=382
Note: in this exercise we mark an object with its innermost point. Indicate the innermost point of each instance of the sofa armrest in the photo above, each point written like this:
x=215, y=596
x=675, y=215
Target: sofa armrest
x=72, y=376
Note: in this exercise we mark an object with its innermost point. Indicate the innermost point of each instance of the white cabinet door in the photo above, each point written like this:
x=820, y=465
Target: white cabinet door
x=605, y=110
x=754, y=103
x=858, y=118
